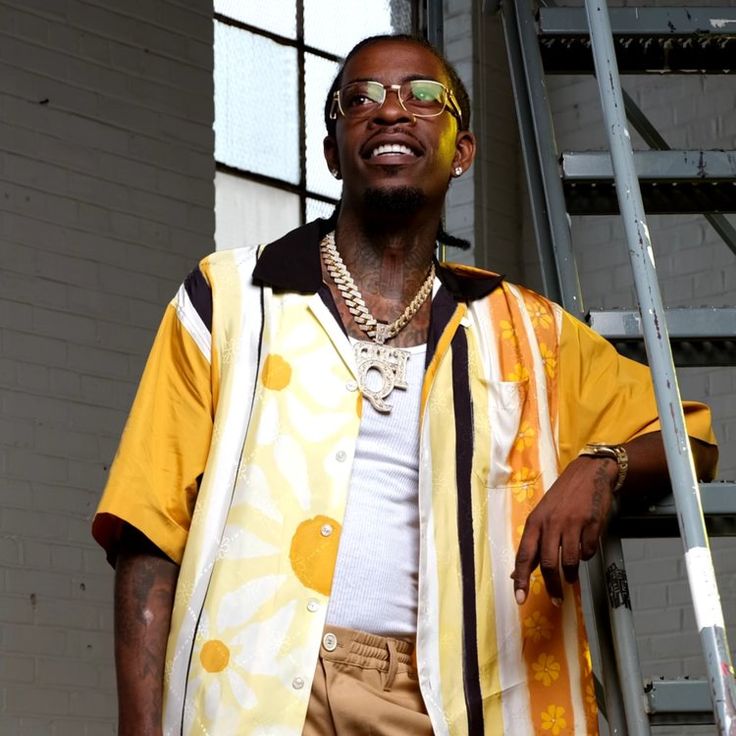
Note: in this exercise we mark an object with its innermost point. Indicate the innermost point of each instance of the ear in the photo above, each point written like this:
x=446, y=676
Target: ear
x=329, y=146
x=464, y=150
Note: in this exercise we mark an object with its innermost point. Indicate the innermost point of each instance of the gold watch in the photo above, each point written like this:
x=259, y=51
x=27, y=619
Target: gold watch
x=615, y=452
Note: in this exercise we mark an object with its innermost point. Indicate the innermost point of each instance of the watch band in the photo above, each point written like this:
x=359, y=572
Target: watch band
x=615, y=452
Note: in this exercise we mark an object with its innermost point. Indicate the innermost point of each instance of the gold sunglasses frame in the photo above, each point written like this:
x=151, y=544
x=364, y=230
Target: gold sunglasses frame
x=450, y=103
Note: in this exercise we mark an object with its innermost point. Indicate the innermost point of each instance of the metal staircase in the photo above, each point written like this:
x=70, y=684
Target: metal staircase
x=642, y=40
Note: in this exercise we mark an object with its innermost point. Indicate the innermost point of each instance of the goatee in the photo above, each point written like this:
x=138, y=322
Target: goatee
x=394, y=200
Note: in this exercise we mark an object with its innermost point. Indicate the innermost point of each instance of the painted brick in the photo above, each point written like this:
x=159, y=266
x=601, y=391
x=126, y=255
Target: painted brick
x=650, y=596
x=94, y=704
x=16, y=434
x=16, y=495
x=19, y=726
x=17, y=669
x=658, y=622
x=94, y=197
x=98, y=362
x=38, y=701
x=17, y=638
x=9, y=550
x=16, y=609
x=66, y=613
x=63, y=498
x=52, y=671
x=21, y=463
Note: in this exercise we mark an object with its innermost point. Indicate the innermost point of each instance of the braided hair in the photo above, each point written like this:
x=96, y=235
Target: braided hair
x=456, y=85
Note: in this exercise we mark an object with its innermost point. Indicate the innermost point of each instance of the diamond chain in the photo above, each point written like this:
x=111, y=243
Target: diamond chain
x=354, y=299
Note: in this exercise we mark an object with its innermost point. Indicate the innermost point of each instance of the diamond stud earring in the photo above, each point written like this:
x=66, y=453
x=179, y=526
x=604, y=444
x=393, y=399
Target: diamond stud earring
x=457, y=171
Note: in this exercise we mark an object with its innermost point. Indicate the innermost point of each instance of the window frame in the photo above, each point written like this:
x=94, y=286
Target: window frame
x=302, y=49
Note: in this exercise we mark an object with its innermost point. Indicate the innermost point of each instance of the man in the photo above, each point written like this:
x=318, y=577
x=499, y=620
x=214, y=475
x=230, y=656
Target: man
x=445, y=401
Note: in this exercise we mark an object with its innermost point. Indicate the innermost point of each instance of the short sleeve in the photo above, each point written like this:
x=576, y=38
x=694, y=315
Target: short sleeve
x=155, y=475
x=607, y=398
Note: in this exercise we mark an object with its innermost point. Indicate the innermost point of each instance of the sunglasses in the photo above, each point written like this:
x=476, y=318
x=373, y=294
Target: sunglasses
x=422, y=98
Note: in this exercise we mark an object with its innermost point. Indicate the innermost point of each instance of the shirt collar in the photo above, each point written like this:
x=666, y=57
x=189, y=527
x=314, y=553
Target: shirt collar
x=292, y=263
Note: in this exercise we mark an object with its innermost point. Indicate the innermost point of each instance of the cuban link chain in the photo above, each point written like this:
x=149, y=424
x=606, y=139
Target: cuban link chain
x=390, y=362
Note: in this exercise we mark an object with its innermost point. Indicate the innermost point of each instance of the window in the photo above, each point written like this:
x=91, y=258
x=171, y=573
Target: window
x=274, y=63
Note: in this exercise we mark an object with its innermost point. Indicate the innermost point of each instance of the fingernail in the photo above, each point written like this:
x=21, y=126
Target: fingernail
x=520, y=596
x=557, y=602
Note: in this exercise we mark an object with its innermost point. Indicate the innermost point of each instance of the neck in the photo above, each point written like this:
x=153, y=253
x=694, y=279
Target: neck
x=388, y=260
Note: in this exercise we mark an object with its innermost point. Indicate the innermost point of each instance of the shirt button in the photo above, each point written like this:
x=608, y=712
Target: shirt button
x=326, y=530
x=351, y=386
x=329, y=642
x=297, y=683
x=312, y=605
x=341, y=455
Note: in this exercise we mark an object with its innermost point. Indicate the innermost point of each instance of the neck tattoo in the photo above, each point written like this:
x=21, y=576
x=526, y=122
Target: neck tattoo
x=389, y=362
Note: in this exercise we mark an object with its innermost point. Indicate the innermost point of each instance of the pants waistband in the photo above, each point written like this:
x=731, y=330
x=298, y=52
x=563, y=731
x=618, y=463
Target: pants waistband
x=359, y=648
x=341, y=644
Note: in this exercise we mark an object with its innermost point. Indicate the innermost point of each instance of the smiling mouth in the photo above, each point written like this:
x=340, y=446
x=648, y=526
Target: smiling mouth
x=391, y=149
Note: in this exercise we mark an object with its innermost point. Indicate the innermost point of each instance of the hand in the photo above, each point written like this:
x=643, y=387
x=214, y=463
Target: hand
x=565, y=525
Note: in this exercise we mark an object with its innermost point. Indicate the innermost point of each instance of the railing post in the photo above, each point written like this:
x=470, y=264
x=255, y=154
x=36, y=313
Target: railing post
x=699, y=564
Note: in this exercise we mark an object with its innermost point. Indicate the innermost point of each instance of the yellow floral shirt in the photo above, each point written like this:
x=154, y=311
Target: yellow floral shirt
x=236, y=462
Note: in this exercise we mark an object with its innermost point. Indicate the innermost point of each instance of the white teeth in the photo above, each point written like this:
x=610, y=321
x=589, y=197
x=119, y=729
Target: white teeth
x=391, y=148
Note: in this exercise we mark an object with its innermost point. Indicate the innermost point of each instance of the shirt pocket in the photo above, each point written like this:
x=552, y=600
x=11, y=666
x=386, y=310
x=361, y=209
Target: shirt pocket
x=506, y=401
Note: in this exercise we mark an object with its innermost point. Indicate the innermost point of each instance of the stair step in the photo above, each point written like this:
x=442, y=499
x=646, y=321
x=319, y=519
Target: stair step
x=684, y=323
x=667, y=39
x=700, y=336
x=678, y=702
x=672, y=182
x=660, y=519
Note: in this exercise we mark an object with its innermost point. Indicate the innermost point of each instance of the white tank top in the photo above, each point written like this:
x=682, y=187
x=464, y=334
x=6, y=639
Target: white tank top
x=374, y=588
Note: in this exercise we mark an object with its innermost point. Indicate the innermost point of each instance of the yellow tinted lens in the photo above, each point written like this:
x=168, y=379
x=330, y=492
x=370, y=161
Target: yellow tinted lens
x=358, y=96
x=423, y=96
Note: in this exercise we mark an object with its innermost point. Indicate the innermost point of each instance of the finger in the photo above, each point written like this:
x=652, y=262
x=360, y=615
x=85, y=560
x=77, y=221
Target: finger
x=589, y=541
x=549, y=563
x=570, y=555
x=527, y=558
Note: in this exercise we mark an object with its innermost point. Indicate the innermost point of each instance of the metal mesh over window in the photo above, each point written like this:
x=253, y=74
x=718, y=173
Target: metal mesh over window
x=248, y=213
x=336, y=26
x=317, y=208
x=277, y=16
x=319, y=74
x=274, y=63
x=256, y=104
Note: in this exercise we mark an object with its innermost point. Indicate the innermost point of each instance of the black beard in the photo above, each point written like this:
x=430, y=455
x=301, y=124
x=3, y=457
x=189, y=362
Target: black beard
x=394, y=200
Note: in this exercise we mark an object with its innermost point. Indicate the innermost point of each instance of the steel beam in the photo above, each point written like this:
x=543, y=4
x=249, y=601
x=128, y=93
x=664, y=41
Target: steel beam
x=661, y=21
x=663, y=166
x=716, y=323
x=672, y=182
x=699, y=336
x=659, y=520
x=676, y=40
x=678, y=702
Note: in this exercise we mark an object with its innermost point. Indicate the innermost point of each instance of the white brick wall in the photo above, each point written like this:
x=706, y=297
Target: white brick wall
x=106, y=202
x=695, y=268
x=484, y=205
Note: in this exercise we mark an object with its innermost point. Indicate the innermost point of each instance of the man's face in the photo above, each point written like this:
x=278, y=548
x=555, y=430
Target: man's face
x=431, y=147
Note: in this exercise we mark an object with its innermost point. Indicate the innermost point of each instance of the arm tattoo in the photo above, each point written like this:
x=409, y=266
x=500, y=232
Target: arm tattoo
x=601, y=484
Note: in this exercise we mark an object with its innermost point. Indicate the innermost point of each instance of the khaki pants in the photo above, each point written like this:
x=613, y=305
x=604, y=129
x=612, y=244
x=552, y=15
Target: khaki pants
x=365, y=685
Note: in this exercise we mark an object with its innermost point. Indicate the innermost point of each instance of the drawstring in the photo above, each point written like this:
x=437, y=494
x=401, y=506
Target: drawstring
x=393, y=664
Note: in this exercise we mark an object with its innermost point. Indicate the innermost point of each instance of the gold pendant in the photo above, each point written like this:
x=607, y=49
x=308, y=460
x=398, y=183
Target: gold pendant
x=390, y=364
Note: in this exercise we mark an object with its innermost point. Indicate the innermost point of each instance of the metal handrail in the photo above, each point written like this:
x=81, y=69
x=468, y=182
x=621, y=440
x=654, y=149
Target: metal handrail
x=699, y=563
